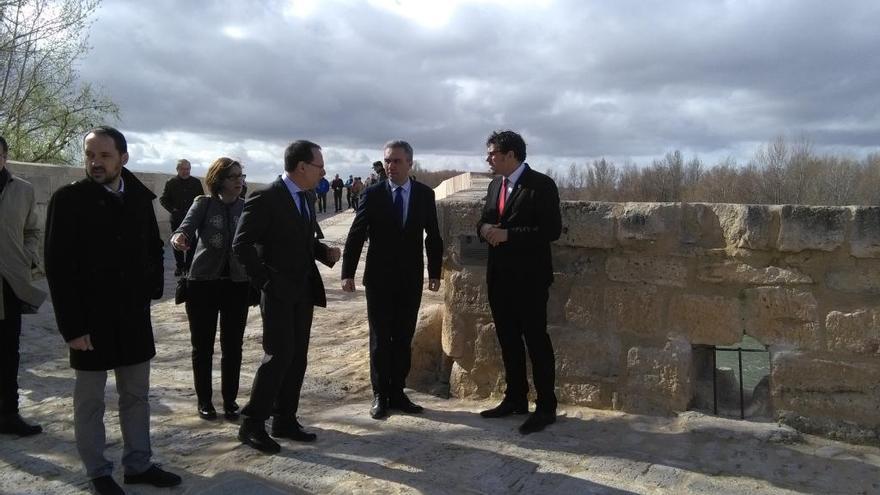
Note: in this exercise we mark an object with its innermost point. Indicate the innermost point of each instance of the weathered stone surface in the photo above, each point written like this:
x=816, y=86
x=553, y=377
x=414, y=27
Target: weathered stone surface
x=863, y=277
x=701, y=226
x=595, y=393
x=584, y=307
x=825, y=386
x=745, y=226
x=706, y=319
x=427, y=352
x=787, y=317
x=733, y=272
x=483, y=376
x=864, y=239
x=466, y=290
x=649, y=224
x=656, y=270
x=821, y=228
x=856, y=332
x=637, y=310
x=588, y=224
x=583, y=354
x=658, y=380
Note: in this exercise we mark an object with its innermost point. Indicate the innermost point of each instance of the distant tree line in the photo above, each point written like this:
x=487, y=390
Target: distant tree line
x=781, y=172
x=432, y=178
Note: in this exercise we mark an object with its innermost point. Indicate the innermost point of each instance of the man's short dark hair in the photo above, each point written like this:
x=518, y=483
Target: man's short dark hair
x=4, y=145
x=505, y=141
x=114, y=134
x=299, y=151
x=400, y=144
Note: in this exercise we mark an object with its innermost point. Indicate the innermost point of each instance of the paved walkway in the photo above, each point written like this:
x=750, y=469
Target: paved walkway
x=448, y=449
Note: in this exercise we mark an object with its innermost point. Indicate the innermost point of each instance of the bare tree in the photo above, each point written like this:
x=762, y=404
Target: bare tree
x=43, y=105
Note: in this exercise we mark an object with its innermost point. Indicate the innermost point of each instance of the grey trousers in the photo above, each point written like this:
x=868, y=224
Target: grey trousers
x=132, y=385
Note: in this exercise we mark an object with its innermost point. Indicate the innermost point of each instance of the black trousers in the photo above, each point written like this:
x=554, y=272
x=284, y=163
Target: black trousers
x=278, y=381
x=322, y=203
x=521, y=315
x=392, y=313
x=183, y=259
x=337, y=199
x=10, y=331
x=205, y=300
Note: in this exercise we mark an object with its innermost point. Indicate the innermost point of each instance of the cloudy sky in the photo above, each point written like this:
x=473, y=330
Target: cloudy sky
x=580, y=79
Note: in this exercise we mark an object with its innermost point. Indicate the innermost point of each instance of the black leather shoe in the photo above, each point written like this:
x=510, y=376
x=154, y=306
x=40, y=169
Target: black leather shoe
x=537, y=422
x=379, y=409
x=154, y=476
x=402, y=403
x=230, y=412
x=283, y=428
x=106, y=485
x=505, y=409
x=207, y=411
x=12, y=424
x=253, y=433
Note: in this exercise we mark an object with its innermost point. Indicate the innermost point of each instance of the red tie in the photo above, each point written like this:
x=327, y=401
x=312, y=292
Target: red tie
x=502, y=196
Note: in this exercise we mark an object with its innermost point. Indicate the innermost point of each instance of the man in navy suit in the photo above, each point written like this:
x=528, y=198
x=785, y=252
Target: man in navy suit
x=398, y=215
x=277, y=244
x=519, y=221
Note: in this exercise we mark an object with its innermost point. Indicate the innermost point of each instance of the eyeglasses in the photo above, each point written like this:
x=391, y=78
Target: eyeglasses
x=236, y=176
x=492, y=153
x=316, y=166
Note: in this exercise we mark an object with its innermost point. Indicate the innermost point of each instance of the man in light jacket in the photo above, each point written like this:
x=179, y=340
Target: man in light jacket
x=19, y=238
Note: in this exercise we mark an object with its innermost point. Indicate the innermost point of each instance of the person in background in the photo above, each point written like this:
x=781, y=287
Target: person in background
x=356, y=187
x=177, y=197
x=348, y=185
x=104, y=265
x=337, y=185
x=321, y=191
x=216, y=285
x=19, y=254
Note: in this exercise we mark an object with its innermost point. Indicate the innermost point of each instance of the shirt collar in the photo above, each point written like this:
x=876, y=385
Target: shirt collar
x=406, y=185
x=121, y=187
x=512, y=178
x=291, y=185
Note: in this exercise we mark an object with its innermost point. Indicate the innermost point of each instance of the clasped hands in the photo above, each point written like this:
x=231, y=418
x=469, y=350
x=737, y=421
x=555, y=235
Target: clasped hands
x=493, y=234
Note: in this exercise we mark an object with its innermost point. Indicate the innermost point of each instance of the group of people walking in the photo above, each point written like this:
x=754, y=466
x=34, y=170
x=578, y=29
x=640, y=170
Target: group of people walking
x=104, y=265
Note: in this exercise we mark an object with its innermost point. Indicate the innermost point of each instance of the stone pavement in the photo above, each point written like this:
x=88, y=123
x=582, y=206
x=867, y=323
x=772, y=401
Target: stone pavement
x=448, y=449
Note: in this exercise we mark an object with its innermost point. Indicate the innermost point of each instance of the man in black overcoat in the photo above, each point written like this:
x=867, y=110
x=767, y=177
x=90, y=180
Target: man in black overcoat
x=104, y=264
x=399, y=216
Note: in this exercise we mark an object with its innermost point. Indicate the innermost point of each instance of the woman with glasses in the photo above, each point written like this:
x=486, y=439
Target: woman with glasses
x=217, y=284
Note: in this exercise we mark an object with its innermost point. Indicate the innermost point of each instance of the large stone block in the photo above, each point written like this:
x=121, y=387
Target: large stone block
x=596, y=393
x=584, y=307
x=784, y=317
x=649, y=224
x=864, y=239
x=861, y=277
x=821, y=228
x=857, y=332
x=635, y=310
x=426, y=368
x=588, y=224
x=701, y=226
x=658, y=380
x=730, y=272
x=584, y=354
x=706, y=319
x=657, y=270
x=745, y=226
x=465, y=290
x=826, y=386
x=484, y=375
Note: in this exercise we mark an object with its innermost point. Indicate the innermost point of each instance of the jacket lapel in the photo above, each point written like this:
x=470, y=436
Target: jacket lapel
x=517, y=188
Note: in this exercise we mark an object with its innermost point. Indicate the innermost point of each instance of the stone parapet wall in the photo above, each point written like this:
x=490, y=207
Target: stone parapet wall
x=640, y=287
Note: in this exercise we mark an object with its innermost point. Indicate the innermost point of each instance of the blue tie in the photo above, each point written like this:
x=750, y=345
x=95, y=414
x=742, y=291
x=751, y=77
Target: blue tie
x=304, y=206
x=398, y=205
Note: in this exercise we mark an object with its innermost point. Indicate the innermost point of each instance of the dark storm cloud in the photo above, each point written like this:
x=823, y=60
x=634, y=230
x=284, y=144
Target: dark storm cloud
x=579, y=79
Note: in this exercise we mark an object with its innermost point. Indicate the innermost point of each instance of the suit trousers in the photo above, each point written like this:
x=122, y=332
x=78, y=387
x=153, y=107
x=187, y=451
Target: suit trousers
x=10, y=333
x=132, y=385
x=521, y=315
x=392, y=311
x=205, y=300
x=337, y=199
x=278, y=381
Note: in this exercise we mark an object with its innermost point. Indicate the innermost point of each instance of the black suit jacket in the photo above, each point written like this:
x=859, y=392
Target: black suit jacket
x=278, y=247
x=395, y=255
x=533, y=220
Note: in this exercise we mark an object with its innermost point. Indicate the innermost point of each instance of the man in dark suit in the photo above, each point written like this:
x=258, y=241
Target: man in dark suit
x=277, y=245
x=398, y=215
x=519, y=221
